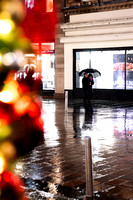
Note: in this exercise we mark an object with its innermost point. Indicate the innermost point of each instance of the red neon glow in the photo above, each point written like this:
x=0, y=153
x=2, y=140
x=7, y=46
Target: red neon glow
x=43, y=29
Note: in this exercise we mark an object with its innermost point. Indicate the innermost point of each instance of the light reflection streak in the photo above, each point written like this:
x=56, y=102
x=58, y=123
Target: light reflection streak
x=97, y=127
x=52, y=188
x=51, y=135
x=19, y=167
x=123, y=125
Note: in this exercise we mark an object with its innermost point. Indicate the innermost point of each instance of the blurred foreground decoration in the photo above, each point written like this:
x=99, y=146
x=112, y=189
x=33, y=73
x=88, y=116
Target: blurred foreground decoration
x=21, y=125
x=11, y=187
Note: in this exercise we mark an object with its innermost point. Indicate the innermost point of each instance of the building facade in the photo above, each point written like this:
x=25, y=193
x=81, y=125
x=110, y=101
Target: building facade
x=41, y=26
x=71, y=35
x=99, y=34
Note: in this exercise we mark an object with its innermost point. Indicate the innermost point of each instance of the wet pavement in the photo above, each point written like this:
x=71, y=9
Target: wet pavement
x=56, y=168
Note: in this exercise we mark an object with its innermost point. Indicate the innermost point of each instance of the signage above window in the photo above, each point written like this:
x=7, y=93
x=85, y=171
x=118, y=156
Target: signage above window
x=43, y=47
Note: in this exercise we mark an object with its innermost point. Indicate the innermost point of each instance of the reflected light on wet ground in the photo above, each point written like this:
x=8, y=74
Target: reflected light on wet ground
x=56, y=168
x=51, y=135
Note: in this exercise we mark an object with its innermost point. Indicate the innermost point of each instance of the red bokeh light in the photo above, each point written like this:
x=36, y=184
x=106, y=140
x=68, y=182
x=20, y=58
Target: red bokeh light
x=39, y=122
x=33, y=110
x=8, y=177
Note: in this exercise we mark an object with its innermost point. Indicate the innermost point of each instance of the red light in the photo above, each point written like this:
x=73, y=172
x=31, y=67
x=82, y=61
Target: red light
x=23, y=88
x=21, y=106
x=7, y=177
x=33, y=110
x=4, y=119
x=39, y=122
x=15, y=183
x=44, y=30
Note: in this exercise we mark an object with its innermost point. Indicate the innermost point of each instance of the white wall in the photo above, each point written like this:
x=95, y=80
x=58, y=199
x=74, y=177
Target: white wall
x=95, y=30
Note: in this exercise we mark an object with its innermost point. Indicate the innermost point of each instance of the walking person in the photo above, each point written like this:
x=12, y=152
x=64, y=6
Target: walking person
x=87, y=83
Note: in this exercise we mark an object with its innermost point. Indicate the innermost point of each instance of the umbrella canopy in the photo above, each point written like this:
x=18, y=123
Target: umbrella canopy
x=95, y=73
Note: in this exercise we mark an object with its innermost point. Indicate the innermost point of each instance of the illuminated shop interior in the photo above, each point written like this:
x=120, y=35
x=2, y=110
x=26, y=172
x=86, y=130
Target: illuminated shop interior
x=116, y=67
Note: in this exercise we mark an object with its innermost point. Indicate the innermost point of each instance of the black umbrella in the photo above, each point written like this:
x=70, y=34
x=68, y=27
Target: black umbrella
x=95, y=73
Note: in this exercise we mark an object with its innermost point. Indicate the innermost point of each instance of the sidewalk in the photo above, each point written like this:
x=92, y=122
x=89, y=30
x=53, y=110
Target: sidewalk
x=56, y=168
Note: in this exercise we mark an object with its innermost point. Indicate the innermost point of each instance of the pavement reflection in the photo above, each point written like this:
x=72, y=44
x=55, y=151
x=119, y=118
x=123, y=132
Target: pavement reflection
x=56, y=168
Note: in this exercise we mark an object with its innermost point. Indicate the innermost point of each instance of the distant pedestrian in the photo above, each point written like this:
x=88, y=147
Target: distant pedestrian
x=87, y=83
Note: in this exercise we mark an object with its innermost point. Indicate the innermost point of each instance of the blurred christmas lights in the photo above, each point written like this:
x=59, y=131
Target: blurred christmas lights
x=5, y=27
x=2, y=164
x=21, y=124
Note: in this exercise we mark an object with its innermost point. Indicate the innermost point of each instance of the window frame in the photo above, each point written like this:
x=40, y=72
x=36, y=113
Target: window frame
x=101, y=49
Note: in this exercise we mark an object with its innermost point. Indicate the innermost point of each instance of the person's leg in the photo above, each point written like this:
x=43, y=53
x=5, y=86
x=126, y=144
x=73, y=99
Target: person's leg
x=85, y=99
x=90, y=94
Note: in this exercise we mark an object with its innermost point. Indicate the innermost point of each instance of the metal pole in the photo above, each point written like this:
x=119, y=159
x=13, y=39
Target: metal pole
x=88, y=167
x=66, y=100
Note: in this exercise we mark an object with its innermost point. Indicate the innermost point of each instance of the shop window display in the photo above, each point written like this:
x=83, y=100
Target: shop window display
x=45, y=60
x=116, y=69
x=129, y=70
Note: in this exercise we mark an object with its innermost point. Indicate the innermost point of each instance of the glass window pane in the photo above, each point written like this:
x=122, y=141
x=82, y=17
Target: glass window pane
x=119, y=69
x=129, y=70
x=111, y=64
x=82, y=62
x=48, y=71
x=49, y=6
x=35, y=46
x=47, y=47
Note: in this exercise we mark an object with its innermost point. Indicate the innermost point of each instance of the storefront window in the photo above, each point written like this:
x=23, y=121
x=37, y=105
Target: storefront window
x=82, y=62
x=46, y=61
x=48, y=71
x=111, y=64
x=129, y=70
x=119, y=70
x=49, y=6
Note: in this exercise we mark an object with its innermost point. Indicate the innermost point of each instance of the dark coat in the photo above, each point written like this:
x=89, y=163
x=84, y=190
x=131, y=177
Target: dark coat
x=87, y=83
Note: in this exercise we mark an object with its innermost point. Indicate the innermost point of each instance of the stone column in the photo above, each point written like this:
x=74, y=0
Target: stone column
x=59, y=54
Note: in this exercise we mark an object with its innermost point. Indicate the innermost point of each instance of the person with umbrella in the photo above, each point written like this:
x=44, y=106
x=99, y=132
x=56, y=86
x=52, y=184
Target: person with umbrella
x=87, y=83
